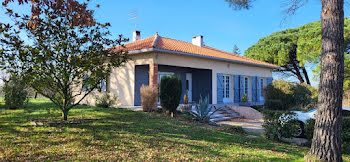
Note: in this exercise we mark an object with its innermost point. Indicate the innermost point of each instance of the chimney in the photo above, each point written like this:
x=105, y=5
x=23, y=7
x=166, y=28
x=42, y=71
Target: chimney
x=198, y=40
x=136, y=35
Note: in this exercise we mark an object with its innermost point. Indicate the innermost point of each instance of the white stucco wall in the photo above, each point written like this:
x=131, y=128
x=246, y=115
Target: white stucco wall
x=122, y=79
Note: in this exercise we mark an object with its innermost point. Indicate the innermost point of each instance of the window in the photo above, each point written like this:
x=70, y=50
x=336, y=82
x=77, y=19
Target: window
x=226, y=86
x=246, y=85
x=262, y=86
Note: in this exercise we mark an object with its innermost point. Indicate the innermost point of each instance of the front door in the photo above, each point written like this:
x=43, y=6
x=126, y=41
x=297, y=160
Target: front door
x=261, y=89
x=189, y=86
x=227, y=89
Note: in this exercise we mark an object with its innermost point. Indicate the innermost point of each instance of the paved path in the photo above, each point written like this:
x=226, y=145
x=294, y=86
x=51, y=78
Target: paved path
x=248, y=125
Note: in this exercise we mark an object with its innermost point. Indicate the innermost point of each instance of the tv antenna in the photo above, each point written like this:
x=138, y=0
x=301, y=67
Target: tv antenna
x=133, y=17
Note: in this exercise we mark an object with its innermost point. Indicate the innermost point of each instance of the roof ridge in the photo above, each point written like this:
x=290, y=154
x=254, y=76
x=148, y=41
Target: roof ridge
x=171, y=44
x=215, y=49
x=234, y=54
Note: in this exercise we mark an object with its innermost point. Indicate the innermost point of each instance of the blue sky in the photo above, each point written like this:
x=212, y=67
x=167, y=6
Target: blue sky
x=221, y=26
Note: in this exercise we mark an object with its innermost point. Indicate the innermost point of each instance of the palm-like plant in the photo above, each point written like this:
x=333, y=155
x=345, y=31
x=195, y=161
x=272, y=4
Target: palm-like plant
x=203, y=111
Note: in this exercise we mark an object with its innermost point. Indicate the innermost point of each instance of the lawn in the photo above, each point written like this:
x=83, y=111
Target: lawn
x=120, y=134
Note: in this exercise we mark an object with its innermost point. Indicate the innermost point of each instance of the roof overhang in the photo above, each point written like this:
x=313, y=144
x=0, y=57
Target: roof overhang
x=200, y=56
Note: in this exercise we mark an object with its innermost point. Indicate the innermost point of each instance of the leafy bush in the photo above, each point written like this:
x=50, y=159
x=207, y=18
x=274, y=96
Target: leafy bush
x=15, y=93
x=245, y=98
x=309, y=129
x=203, y=110
x=149, y=98
x=346, y=135
x=289, y=94
x=170, y=93
x=301, y=95
x=279, y=124
x=106, y=100
x=274, y=104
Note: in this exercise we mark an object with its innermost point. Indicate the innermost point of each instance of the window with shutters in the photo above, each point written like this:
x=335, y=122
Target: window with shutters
x=226, y=86
x=246, y=85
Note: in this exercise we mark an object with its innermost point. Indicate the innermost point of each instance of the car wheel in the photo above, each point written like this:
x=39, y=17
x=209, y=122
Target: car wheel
x=301, y=131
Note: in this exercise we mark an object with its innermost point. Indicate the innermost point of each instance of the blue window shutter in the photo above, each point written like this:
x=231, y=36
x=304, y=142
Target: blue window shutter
x=254, y=89
x=220, y=88
x=258, y=90
x=236, y=88
x=269, y=80
x=241, y=87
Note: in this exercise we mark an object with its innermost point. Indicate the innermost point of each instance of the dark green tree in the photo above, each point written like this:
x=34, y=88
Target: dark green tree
x=170, y=93
x=56, y=55
x=280, y=48
x=326, y=143
x=236, y=50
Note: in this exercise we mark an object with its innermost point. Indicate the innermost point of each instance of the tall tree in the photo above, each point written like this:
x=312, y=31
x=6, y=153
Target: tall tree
x=326, y=144
x=59, y=56
x=281, y=48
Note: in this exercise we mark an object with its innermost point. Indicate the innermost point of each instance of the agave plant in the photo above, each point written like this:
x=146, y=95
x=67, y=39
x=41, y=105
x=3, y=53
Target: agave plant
x=203, y=109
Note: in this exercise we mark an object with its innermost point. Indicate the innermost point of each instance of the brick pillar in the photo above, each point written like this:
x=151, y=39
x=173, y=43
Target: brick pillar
x=153, y=74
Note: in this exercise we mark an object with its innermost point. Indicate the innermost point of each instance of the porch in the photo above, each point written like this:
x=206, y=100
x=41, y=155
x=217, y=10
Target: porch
x=195, y=82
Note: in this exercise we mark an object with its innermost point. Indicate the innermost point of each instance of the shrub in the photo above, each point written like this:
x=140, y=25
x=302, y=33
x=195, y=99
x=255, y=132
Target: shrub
x=309, y=129
x=106, y=100
x=301, y=95
x=245, y=98
x=15, y=93
x=279, y=124
x=346, y=135
x=289, y=94
x=149, y=98
x=274, y=104
x=170, y=93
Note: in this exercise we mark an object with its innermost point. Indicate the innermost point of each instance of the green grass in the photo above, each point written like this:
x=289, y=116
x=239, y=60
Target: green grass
x=121, y=134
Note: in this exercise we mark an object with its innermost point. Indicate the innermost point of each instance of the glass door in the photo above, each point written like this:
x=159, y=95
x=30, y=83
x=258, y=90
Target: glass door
x=227, y=90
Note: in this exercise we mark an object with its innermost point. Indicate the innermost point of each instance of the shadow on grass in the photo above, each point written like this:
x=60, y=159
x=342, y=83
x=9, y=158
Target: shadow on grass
x=125, y=127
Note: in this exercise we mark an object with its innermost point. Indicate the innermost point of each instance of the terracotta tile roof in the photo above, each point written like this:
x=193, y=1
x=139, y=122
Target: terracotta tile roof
x=159, y=42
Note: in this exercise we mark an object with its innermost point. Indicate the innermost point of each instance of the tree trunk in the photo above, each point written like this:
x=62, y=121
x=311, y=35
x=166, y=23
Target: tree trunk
x=306, y=76
x=326, y=143
x=297, y=72
x=65, y=114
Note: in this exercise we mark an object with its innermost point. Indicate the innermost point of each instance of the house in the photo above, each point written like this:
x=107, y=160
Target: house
x=205, y=71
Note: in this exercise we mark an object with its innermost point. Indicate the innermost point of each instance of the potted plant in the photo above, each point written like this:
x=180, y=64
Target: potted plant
x=244, y=100
x=185, y=107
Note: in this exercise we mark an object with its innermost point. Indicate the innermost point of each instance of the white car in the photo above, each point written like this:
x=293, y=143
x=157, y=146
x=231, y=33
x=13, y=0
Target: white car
x=302, y=117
